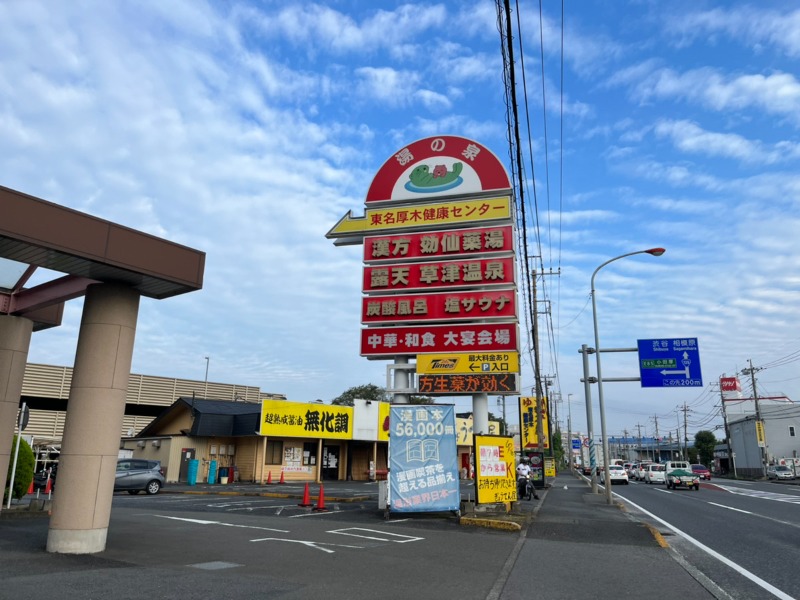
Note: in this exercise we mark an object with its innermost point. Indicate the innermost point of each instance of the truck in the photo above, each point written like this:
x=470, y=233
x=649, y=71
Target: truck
x=678, y=473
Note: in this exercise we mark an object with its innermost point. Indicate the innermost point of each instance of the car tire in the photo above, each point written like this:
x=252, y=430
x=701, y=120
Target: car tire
x=153, y=487
x=133, y=492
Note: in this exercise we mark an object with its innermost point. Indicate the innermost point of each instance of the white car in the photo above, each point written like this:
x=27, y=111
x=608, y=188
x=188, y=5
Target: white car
x=617, y=474
x=640, y=471
x=655, y=474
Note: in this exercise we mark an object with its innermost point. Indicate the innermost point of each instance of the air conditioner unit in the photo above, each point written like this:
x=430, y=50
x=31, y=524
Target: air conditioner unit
x=156, y=443
x=141, y=443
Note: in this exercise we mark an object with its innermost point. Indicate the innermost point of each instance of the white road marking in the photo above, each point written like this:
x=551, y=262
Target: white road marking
x=726, y=561
x=776, y=496
x=315, y=545
x=386, y=536
x=205, y=522
x=747, y=512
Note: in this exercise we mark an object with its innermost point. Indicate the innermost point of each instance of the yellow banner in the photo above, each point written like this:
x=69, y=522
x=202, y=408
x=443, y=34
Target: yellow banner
x=495, y=473
x=383, y=421
x=465, y=363
x=293, y=419
x=761, y=438
x=409, y=217
x=464, y=430
x=529, y=420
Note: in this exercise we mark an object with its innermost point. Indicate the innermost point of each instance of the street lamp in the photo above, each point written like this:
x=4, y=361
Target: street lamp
x=607, y=474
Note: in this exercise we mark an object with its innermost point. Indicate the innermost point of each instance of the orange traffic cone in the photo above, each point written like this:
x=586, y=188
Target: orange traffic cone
x=30, y=487
x=306, y=500
x=48, y=486
x=321, y=500
x=282, y=480
x=269, y=477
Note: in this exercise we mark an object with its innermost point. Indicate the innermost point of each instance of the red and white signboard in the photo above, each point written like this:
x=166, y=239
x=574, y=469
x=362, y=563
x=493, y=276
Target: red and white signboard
x=453, y=243
x=445, y=165
x=730, y=384
x=417, y=339
x=448, y=306
x=440, y=274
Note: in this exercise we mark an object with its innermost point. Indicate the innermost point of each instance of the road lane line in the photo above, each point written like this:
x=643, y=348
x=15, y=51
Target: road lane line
x=747, y=512
x=205, y=522
x=726, y=561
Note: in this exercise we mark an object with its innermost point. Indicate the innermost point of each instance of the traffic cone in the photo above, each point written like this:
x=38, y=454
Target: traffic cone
x=306, y=500
x=48, y=486
x=269, y=477
x=321, y=500
x=30, y=487
x=282, y=480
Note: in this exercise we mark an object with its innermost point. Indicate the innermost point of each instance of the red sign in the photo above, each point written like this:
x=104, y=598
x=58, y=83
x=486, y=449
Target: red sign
x=441, y=165
x=448, y=306
x=730, y=384
x=433, y=244
x=442, y=274
x=496, y=383
x=416, y=339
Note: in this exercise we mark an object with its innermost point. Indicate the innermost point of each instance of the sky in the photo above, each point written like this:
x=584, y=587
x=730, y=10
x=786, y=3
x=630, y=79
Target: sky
x=247, y=129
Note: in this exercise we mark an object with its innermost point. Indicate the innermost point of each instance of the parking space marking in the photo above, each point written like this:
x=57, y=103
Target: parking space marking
x=315, y=545
x=386, y=536
x=205, y=522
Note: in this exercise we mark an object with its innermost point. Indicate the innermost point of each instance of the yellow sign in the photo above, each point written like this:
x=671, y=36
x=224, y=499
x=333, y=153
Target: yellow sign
x=293, y=419
x=416, y=216
x=549, y=466
x=464, y=430
x=383, y=421
x=760, y=436
x=529, y=420
x=466, y=363
x=495, y=475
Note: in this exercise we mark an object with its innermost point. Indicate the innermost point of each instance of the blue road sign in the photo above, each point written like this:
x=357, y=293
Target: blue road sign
x=670, y=363
x=576, y=444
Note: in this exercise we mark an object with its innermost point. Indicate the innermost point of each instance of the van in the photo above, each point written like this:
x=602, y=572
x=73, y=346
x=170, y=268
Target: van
x=672, y=465
x=678, y=473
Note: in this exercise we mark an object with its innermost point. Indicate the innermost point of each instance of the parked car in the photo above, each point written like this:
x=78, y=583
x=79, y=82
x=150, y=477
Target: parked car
x=779, y=472
x=701, y=471
x=135, y=475
x=617, y=474
x=655, y=473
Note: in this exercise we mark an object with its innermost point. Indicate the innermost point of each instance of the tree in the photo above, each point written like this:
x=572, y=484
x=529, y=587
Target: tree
x=23, y=476
x=369, y=391
x=704, y=442
x=421, y=400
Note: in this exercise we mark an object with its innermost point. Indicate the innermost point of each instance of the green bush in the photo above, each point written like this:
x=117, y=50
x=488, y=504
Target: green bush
x=24, y=473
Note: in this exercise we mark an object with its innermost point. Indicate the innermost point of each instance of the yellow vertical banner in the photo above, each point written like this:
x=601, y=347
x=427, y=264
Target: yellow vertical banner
x=495, y=472
x=760, y=437
x=529, y=423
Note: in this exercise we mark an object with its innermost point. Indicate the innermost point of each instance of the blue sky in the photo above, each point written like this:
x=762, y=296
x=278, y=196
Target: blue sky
x=248, y=129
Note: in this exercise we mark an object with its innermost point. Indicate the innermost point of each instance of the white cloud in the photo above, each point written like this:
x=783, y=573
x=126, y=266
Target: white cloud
x=689, y=137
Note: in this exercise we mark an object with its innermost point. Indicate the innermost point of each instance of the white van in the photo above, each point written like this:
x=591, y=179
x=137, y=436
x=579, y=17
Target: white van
x=673, y=465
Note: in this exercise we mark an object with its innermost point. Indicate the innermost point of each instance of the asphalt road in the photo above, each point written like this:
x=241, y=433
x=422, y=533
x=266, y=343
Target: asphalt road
x=748, y=532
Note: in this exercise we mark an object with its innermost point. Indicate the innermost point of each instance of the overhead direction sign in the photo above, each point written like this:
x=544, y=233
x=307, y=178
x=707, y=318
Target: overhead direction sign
x=670, y=363
x=418, y=216
x=468, y=363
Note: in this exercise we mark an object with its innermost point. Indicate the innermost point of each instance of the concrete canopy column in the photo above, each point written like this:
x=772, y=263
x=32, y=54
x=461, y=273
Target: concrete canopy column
x=90, y=446
x=15, y=339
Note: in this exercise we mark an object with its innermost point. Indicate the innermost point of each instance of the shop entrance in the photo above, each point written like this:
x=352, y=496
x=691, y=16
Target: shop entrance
x=330, y=463
x=186, y=455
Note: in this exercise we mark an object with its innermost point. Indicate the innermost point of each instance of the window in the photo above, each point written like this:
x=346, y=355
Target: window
x=791, y=431
x=274, y=454
x=310, y=453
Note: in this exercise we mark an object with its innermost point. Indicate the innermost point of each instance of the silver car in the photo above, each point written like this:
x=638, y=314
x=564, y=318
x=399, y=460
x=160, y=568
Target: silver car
x=654, y=473
x=779, y=472
x=135, y=475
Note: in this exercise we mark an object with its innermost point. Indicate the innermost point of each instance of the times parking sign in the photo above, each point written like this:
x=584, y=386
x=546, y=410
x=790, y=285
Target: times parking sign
x=670, y=363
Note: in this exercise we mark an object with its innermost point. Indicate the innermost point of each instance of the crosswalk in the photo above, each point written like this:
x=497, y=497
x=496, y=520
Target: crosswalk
x=764, y=495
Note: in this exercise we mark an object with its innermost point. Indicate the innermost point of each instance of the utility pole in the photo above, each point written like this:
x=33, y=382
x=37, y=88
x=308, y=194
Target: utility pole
x=685, y=433
x=627, y=451
x=731, y=463
x=639, y=427
x=762, y=439
x=658, y=444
